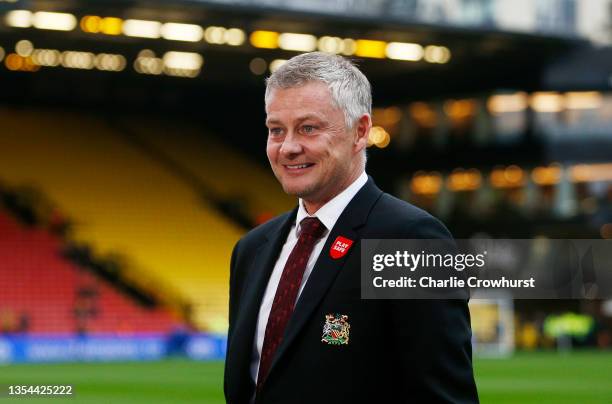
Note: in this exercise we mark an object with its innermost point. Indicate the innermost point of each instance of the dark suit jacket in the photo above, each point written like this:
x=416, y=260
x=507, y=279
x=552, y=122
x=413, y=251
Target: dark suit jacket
x=413, y=351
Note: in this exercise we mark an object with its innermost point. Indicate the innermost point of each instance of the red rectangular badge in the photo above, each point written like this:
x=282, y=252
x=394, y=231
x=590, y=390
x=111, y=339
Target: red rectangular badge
x=340, y=247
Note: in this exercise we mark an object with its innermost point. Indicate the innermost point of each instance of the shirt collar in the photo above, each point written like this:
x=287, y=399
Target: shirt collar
x=329, y=213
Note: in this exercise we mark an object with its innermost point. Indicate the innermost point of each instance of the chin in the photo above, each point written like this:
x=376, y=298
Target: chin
x=299, y=190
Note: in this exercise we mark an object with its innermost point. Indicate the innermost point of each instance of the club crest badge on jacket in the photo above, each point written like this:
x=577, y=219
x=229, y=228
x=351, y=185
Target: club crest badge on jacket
x=340, y=247
x=336, y=329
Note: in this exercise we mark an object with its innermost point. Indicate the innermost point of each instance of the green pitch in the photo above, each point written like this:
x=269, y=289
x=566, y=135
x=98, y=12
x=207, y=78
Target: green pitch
x=546, y=378
x=540, y=378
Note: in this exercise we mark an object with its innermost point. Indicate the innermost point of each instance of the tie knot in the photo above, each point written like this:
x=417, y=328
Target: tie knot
x=312, y=226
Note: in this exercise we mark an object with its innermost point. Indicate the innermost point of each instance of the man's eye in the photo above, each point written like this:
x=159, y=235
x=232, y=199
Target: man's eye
x=275, y=131
x=308, y=129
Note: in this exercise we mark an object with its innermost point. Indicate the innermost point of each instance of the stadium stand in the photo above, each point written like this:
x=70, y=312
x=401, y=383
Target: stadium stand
x=44, y=293
x=210, y=163
x=173, y=241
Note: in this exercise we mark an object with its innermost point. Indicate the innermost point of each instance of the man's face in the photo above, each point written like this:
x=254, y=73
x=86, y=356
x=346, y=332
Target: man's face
x=311, y=152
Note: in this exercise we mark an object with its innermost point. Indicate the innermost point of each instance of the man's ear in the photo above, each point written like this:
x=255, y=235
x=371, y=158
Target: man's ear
x=362, y=131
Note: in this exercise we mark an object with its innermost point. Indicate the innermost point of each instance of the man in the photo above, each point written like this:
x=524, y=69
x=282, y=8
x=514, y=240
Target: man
x=299, y=331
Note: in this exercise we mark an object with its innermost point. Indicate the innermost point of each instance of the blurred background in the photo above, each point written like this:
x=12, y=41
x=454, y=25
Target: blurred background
x=132, y=158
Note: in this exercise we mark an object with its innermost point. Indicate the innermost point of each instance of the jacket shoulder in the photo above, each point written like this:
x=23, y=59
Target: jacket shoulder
x=395, y=218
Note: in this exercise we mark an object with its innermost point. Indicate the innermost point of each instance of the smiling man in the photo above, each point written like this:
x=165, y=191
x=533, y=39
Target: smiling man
x=310, y=150
x=299, y=330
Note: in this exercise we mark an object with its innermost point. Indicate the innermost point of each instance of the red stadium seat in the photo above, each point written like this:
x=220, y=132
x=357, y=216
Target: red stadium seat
x=38, y=282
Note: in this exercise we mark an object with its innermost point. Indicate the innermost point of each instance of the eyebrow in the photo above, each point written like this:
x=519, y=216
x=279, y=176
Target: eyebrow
x=299, y=120
x=272, y=121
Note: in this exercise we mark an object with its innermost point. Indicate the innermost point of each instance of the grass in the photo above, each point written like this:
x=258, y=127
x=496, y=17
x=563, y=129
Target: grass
x=546, y=377
x=171, y=381
x=540, y=377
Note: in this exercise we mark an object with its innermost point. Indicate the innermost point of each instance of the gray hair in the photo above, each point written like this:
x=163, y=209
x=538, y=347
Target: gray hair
x=349, y=87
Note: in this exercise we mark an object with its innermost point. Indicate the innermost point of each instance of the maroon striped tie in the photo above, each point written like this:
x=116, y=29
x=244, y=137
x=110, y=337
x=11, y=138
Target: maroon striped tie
x=311, y=230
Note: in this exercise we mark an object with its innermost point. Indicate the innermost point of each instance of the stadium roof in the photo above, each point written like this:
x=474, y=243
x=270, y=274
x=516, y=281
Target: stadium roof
x=477, y=59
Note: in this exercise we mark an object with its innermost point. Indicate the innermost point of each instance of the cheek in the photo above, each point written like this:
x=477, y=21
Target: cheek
x=335, y=151
x=325, y=148
x=272, y=151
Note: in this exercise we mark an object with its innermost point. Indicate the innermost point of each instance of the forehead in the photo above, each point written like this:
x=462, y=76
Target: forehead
x=313, y=97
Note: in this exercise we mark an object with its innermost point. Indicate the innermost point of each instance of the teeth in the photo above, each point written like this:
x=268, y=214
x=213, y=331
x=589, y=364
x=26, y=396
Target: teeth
x=299, y=166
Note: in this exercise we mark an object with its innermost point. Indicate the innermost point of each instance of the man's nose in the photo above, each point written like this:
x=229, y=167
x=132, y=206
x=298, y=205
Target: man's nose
x=291, y=145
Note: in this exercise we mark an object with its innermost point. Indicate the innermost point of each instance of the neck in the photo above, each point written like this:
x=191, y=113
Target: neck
x=314, y=204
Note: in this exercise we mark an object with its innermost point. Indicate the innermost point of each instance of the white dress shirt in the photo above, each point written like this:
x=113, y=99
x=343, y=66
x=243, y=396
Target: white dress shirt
x=328, y=214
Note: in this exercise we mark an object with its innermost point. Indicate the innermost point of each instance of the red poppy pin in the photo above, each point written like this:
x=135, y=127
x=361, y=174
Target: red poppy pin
x=340, y=247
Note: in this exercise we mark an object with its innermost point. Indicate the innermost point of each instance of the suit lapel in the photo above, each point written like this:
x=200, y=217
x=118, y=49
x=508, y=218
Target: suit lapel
x=326, y=268
x=252, y=294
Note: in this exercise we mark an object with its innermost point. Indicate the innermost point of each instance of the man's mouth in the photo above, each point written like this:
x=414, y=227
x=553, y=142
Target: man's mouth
x=298, y=167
